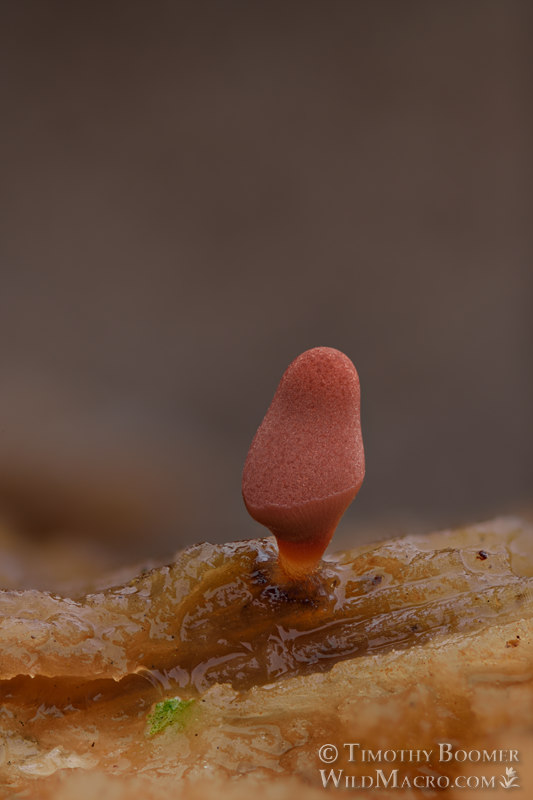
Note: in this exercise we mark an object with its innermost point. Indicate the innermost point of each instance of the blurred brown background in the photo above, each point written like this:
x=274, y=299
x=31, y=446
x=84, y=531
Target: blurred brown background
x=194, y=193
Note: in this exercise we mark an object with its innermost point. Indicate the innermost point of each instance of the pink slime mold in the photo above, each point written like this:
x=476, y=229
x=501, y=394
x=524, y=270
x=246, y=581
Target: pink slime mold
x=306, y=462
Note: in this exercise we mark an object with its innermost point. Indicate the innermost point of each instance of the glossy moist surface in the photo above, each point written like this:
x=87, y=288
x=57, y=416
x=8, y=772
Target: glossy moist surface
x=269, y=667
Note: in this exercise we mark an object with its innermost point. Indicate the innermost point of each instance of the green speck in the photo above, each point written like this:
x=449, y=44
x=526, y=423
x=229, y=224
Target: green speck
x=173, y=711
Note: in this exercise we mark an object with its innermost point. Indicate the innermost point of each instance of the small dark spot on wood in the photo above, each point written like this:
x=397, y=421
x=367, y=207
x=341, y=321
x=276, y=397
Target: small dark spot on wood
x=92, y=744
x=259, y=576
x=274, y=593
x=482, y=555
x=376, y=580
